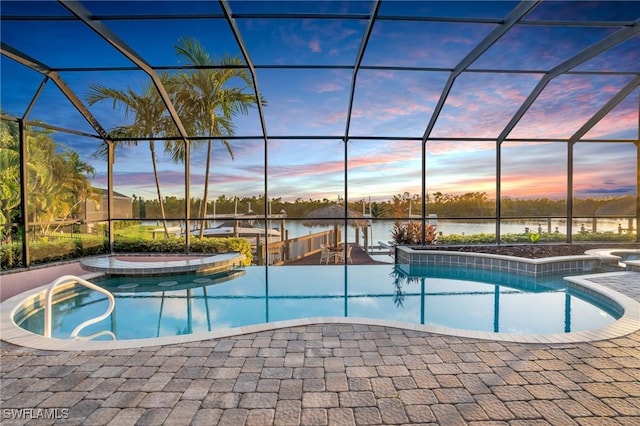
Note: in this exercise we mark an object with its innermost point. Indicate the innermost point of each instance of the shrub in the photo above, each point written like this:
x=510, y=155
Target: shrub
x=223, y=245
x=457, y=239
x=178, y=245
x=605, y=236
x=11, y=256
x=138, y=245
x=50, y=251
x=411, y=233
x=545, y=237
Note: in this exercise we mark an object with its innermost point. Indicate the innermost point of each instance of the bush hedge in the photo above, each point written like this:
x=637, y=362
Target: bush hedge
x=545, y=237
x=44, y=251
x=178, y=245
x=65, y=249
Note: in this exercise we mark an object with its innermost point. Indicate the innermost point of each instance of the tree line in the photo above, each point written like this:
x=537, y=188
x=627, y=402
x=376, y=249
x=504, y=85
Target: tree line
x=472, y=205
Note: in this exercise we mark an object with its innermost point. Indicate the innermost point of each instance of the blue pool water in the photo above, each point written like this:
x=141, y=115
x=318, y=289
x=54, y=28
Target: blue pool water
x=458, y=298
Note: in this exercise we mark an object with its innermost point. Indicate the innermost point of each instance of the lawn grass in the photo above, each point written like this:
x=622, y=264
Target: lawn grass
x=144, y=232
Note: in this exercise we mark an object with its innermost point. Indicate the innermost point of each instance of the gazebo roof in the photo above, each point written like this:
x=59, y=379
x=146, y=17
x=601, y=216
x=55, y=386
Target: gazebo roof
x=334, y=215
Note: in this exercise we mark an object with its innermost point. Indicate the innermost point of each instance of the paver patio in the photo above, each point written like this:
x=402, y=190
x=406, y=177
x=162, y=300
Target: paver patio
x=330, y=374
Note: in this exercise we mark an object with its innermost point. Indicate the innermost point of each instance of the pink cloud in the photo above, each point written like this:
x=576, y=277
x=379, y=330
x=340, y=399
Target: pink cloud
x=302, y=170
x=404, y=107
x=328, y=86
x=463, y=183
x=447, y=147
x=613, y=123
x=314, y=46
x=550, y=185
x=143, y=183
x=565, y=105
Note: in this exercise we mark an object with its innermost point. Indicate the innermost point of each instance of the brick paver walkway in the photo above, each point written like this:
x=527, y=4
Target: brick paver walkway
x=330, y=374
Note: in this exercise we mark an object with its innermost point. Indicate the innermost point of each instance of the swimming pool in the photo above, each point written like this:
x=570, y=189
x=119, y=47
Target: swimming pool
x=451, y=297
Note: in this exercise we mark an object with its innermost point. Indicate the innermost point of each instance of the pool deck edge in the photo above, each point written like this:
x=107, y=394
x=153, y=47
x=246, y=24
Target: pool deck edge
x=115, y=266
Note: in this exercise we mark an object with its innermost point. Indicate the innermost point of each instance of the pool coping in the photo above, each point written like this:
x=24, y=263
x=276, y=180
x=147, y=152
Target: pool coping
x=609, y=256
x=628, y=323
x=410, y=257
x=114, y=266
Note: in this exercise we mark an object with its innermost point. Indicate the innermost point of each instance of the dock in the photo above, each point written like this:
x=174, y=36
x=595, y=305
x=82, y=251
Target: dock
x=358, y=257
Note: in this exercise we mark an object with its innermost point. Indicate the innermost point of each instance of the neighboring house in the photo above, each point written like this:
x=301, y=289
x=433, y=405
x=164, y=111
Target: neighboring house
x=96, y=211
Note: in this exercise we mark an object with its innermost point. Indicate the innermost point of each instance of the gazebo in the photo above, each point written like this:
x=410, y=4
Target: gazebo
x=337, y=216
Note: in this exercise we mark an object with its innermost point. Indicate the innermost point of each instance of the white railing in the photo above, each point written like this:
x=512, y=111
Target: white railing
x=68, y=279
x=295, y=248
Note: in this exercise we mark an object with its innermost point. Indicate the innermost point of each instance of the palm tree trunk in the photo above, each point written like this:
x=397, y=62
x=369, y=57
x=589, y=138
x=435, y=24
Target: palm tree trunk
x=155, y=174
x=67, y=214
x=206, y=190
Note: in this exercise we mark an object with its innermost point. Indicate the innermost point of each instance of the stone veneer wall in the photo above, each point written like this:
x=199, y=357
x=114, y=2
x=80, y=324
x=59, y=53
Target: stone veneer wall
x=516, y=265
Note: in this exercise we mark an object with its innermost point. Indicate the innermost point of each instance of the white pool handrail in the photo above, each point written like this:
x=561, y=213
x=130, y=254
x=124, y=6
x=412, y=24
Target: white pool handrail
x=66, y=279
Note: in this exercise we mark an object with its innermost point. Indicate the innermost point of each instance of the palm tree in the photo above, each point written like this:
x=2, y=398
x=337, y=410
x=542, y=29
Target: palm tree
x=377, y=210
x=43, y=188
x=206, y=104
x=9, y=177
x=149, y=120
x=75, y=185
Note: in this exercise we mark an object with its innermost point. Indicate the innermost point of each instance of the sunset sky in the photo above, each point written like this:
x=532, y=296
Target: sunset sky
x=305, y=70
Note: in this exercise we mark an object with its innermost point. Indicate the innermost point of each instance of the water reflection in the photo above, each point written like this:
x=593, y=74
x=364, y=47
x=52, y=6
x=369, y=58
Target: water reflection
x=452, y=297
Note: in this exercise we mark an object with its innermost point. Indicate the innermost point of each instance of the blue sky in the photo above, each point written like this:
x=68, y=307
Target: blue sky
x=406, y=65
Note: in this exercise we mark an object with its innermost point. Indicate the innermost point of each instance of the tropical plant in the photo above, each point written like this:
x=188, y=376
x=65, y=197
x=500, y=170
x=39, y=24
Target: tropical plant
x=207, y=102
x=9, y=177
x=399, y=205
x=411, y=233
x=75, y=186
x=149, y=121
x=377, y=210
x=58, y=181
